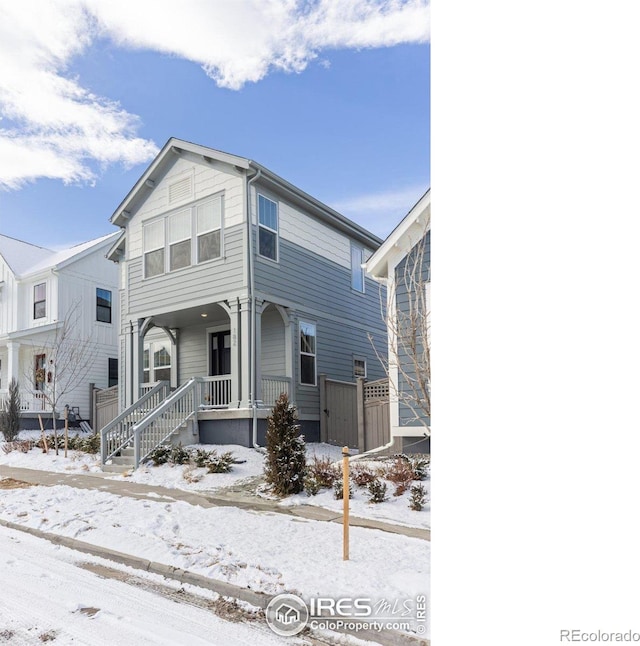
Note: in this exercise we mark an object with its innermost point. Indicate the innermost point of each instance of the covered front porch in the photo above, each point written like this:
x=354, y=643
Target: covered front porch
x=236, y=367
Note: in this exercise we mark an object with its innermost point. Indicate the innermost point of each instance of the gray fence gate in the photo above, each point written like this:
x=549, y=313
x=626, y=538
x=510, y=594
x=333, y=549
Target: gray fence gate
x=354, y=414
x=105, y=406
x=338, y=412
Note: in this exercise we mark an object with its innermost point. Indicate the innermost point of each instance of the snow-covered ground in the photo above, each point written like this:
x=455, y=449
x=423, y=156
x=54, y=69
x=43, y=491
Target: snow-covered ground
x=46, y=597
x=395, y=510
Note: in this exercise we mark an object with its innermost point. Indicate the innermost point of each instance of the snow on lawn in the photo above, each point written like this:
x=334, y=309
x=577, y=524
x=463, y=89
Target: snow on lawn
x=269, y=552
x=46, y=597
x=172, y=476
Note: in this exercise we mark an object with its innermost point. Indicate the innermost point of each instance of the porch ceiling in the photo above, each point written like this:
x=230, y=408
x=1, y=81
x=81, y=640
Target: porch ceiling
x=192, y=316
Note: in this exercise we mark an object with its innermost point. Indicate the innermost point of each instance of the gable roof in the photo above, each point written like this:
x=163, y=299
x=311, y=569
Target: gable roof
x=404, y=236
x=174, y=146
x=24, y=258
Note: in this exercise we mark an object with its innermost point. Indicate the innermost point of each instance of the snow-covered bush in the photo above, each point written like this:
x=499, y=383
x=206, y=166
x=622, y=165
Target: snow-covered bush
x=418, y=497
x=362, y=475
x=160, y=455
x=421, y=468
x=285, y=461
x=219, y=463
x=377, y=491
x=338, y=490
x=311, y=485
x=10, y=413
x=179, y=455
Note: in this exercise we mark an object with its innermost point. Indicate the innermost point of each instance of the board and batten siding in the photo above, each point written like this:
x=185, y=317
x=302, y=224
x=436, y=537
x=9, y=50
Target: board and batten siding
x=406, y=415
x=201, y=283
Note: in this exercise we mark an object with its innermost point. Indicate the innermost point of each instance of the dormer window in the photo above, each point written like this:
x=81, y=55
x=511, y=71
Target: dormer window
x=40, y=301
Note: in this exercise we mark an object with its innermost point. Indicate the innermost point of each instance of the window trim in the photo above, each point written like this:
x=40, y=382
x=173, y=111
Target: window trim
x=152, y=347
x=308, y=354
x=36, y=303
x=109, y=308
x=193, y=238
x=268, y=228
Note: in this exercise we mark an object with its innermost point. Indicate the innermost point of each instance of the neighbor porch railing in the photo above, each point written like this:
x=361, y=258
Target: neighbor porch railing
x=29, y=403
x=118, y=434
x=272, y=387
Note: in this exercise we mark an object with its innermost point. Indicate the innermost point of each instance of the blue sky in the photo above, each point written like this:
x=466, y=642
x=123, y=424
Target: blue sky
x=332, y=95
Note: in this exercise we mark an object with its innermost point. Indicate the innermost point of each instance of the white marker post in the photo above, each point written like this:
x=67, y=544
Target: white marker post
x=345, y=503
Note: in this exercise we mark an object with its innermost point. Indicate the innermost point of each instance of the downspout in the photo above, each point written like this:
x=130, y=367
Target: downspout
x=252, y=301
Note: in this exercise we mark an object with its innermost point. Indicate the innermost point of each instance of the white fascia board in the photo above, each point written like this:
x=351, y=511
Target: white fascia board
x=380, y=263
x=172, y=146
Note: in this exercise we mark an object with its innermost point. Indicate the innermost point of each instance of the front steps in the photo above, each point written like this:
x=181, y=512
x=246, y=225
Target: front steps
x=126, y=461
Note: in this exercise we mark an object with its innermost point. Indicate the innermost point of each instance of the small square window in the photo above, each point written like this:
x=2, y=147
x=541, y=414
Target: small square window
x=359, y=367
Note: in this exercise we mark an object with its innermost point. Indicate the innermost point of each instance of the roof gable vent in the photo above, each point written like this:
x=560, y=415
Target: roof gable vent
x=180, y=190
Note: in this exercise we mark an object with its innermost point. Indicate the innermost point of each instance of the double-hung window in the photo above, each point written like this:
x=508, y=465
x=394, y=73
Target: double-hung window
x=103, y=305
x=267, y=228
x=208, y=229
x=40, y=301
x=307, y=353
x=357, y=270
x=180, y=240
x=153, y=248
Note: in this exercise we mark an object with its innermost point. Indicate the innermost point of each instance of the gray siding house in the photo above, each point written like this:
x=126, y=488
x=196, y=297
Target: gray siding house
x=235, y=286
x=403, y=264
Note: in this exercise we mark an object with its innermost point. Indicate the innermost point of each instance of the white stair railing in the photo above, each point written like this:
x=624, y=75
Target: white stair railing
x=118, y=433
x=158, y=426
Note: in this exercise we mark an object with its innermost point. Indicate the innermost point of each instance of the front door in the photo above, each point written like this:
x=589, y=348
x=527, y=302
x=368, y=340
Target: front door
x=220, y=358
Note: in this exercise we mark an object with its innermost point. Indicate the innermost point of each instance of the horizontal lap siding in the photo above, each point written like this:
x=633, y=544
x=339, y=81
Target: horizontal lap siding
x=319, y=291
x=193, y=352
x=180, y=289
x=273, y=339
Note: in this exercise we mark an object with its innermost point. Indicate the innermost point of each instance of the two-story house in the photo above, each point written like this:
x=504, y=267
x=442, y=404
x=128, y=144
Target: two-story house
x=235, y=286
x=40, y=290
x=403, y=264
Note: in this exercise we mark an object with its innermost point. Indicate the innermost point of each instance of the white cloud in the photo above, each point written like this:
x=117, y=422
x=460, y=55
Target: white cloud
x=54, y=127
x=380, y=212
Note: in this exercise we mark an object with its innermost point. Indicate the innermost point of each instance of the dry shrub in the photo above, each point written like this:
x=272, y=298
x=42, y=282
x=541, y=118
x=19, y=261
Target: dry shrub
x=24, y=446
x=362, y=475
x=323, y=471
x=400, y=472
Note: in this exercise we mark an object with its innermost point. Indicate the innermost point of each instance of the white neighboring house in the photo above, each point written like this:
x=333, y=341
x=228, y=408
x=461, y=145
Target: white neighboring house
x=403, y=264
x=39, y=288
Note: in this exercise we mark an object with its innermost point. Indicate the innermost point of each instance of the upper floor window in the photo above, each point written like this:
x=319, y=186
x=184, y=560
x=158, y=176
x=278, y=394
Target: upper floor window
x=179, y=239
x=103, y=305
x=307, y=353
x=184, y=238
x=357, y=270
x=208, y=229
x=40, y=301
x=267, y=228
x=153, y=234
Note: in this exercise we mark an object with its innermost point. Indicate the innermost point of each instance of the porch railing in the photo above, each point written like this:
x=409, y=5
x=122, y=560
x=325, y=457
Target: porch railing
x=29, y=403
x=215, y=391
x=165, y=419
x=272, y=387
x=118, y=434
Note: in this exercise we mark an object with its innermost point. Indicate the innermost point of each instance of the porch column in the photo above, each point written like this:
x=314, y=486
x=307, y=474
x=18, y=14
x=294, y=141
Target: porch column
x=13, y=361
x=134, y=345
x=260, y=306
x=243, y=319
x=233, y=310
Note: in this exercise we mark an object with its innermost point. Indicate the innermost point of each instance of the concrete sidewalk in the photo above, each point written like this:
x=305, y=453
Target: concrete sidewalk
x=224, y=498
